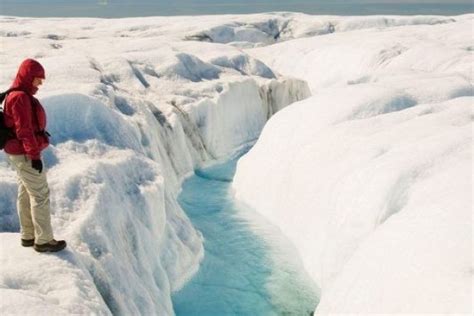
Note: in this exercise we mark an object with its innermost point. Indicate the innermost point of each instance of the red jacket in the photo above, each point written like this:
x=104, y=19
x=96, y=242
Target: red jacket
x=28, y=126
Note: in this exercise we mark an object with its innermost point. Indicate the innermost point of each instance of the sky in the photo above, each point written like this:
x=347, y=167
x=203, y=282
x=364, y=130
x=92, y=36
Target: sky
x=133, y=8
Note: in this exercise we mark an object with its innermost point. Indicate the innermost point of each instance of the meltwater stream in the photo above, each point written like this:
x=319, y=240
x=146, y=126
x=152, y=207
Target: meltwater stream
x=241, y=273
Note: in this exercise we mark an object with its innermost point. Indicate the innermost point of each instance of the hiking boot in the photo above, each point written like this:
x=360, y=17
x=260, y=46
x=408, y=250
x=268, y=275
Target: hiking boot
x=27, y=242
x=52, y=246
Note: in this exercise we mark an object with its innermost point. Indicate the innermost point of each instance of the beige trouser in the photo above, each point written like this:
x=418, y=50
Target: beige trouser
x=33, y=201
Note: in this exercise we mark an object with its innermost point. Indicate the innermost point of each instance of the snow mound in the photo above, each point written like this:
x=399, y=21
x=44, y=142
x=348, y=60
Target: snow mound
x=80, y=118
x=189, y=67
x=382, y=203
x=246, y=65
x=371, y=177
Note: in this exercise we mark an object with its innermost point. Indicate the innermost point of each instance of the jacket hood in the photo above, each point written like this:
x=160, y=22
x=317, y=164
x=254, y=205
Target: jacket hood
x=29, y=69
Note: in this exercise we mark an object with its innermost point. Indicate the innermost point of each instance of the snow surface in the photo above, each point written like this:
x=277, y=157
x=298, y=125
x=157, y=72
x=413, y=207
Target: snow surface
x=134, y=105
x=47, y=285
x=371, y=177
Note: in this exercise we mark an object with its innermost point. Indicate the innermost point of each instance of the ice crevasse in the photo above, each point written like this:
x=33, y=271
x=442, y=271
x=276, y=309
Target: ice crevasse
x=130, y=118
x=371, y=177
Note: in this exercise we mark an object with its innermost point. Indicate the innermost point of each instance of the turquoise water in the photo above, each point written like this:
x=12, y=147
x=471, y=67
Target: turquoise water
x=238, y=275
x=134, y=8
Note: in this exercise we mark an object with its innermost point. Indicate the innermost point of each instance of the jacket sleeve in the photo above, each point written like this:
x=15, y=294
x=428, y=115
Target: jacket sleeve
x=22, y=111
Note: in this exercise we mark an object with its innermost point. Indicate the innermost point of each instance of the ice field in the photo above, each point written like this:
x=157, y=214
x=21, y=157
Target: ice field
x=363, y=171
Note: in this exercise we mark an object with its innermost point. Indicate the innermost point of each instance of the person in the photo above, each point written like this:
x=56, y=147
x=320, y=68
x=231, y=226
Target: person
x=25, y=115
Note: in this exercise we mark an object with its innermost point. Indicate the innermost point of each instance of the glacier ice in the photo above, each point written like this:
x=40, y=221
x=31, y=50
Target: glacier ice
x=371, y=177
x=136, y=104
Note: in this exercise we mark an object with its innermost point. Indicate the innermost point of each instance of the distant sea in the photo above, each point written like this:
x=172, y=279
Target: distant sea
x=136, y=8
